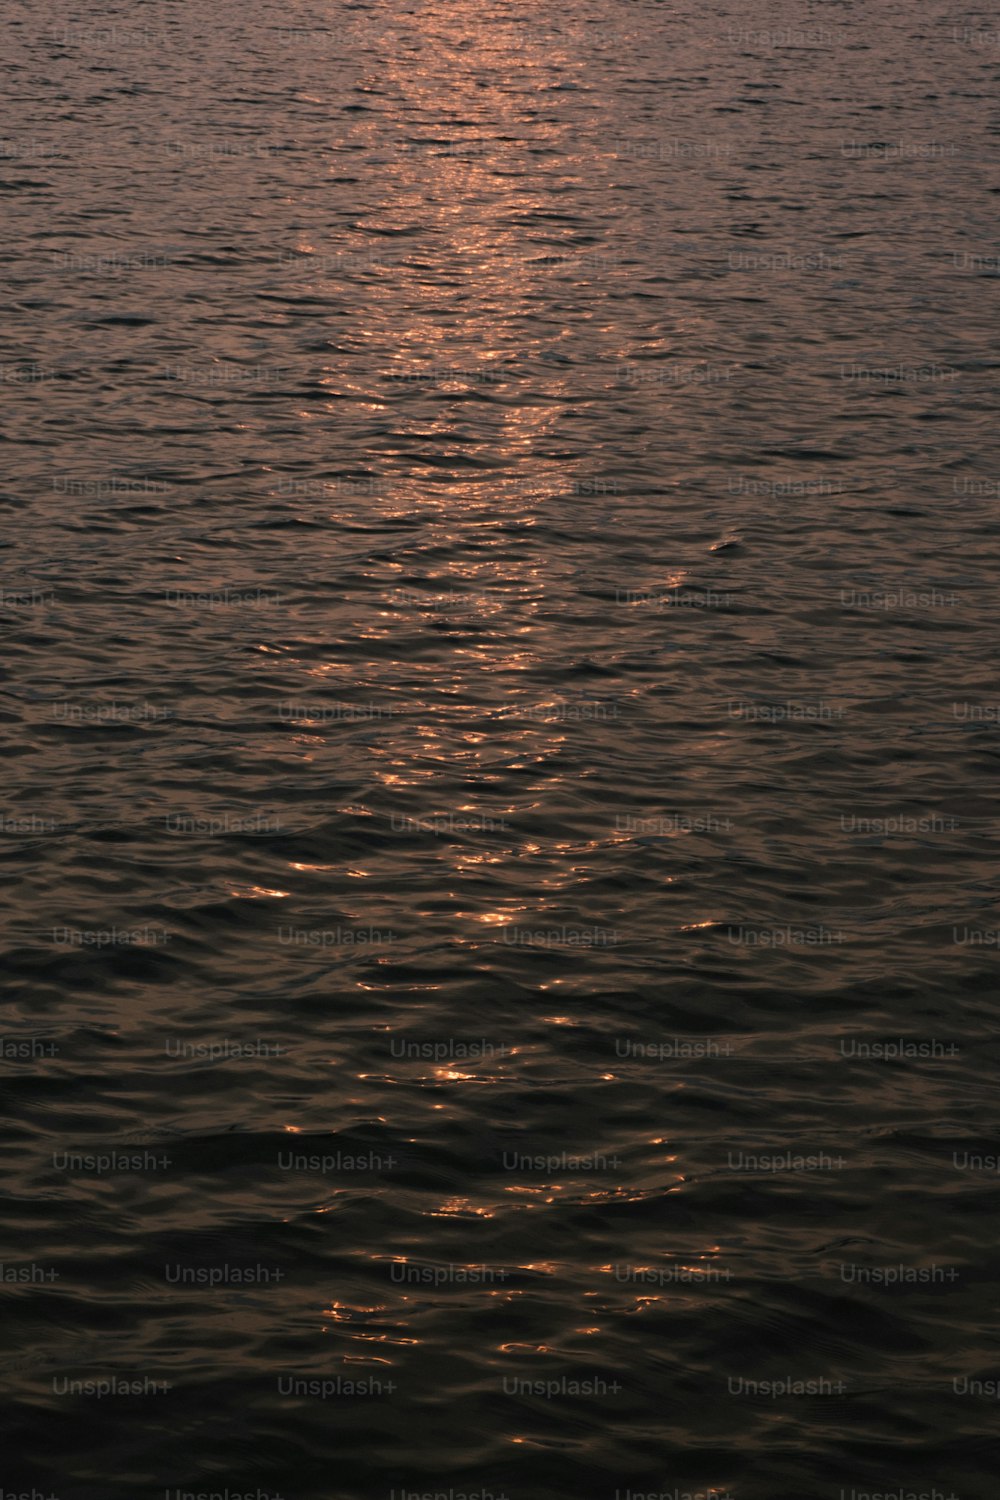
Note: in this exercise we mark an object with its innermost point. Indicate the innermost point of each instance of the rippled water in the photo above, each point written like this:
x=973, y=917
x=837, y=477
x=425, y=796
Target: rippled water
x=500, y=708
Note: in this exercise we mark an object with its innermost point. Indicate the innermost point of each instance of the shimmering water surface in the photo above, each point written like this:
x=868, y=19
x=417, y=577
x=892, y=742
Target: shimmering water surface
x=500, y=709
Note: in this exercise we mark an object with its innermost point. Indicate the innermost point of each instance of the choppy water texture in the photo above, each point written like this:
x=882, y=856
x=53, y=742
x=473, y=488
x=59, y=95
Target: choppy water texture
x=500, y=575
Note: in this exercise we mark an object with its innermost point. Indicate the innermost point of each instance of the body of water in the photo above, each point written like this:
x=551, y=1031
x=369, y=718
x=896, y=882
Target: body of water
x=500, y=711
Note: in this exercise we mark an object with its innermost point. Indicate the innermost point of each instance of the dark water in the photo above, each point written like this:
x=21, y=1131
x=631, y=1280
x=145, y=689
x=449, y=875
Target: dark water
x=500, y=705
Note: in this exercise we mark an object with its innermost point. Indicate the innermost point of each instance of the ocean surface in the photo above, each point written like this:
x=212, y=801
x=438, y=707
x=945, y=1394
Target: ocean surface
x=500, y=722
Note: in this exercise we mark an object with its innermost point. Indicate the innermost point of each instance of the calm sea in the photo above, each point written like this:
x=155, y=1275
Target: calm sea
x=500, y=709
